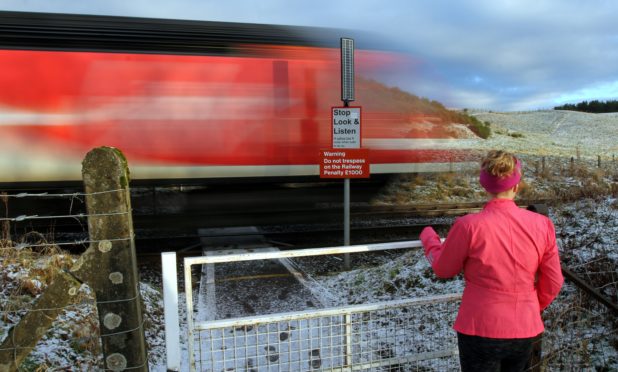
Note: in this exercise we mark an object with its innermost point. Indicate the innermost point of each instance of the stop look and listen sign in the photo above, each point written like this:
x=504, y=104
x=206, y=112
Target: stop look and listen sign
x=346, y=127
x=345, y=159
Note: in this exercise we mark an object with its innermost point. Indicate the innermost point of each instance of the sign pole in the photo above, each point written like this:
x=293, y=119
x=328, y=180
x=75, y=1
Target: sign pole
x=346, y=158
x=347, y=95
x=346, y=220
x=346, y=214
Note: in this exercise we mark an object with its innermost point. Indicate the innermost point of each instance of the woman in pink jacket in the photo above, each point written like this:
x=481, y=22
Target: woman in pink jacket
x=511, y=267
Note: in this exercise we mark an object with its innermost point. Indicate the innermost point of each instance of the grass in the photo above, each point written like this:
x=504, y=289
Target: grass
x=25, y=273
x=545, y=178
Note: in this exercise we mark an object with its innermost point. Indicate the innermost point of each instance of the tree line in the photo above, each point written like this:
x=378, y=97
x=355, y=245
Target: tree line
x=592, y=106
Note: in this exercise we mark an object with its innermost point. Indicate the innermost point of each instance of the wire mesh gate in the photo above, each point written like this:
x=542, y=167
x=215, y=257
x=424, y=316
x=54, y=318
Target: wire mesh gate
x=402, y=335
x=364, y=337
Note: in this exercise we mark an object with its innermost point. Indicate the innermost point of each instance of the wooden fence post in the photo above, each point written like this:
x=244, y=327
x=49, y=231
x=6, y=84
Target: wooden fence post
x=109, y=265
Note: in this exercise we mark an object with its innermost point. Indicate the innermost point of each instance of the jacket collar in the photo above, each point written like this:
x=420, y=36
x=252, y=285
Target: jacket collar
x=500, y=203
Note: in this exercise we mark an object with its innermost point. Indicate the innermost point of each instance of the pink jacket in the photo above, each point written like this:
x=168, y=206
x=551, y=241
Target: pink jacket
x=511, y=267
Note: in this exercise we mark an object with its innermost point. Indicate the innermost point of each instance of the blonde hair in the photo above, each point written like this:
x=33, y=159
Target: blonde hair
x=499, y=163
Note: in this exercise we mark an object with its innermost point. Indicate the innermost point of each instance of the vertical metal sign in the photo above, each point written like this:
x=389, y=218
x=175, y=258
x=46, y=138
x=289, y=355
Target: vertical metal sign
x=347, y=95
x=347, y=70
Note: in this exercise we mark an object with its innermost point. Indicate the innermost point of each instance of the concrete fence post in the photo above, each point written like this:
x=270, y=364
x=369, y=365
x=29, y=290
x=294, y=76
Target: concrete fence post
x=109, y=265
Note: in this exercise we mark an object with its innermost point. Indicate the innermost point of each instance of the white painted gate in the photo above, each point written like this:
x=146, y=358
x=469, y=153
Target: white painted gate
x=402, y=335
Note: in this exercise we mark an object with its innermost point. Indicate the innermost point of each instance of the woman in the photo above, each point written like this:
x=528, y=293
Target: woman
x=511, y=267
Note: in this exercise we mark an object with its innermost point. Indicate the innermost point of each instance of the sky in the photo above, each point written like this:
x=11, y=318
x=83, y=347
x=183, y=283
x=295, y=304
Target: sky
x=502, y=55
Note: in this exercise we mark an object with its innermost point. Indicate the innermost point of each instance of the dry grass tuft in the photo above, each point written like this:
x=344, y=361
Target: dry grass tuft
x=26, y=272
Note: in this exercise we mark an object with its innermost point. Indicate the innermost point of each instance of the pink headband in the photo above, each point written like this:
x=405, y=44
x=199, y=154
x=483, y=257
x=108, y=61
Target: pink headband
x=495, y=184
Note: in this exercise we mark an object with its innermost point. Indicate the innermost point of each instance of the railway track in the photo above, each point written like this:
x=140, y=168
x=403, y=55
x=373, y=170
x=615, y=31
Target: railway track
x=331, y=213
x=302, y=227
x=297, y=227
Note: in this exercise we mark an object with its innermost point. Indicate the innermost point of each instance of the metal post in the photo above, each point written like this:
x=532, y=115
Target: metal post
x=346, y=214
x=347, y=95
x=191, y=331
x=346, y=220
x=348, y=340
x=170, y=302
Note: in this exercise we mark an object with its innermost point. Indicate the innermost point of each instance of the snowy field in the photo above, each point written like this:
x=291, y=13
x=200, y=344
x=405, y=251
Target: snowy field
x=557, y=133
x=581, y=334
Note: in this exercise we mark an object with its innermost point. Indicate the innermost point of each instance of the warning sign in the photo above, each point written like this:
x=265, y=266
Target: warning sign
x=338, y=163
x=346, y=127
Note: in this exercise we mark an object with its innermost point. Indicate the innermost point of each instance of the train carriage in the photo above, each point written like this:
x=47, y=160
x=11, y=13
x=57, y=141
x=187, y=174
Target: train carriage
x=193, y=100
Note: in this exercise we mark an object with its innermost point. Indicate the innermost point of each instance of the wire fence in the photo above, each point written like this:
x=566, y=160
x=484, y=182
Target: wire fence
x=41, y=283
x=41, y=241
x=580, y=332
x=29, y=263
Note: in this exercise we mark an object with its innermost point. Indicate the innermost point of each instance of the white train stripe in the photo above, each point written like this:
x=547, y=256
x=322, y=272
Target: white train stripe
x=159, y=108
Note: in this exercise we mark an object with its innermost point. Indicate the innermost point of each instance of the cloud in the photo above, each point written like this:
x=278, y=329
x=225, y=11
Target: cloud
x=475, y=53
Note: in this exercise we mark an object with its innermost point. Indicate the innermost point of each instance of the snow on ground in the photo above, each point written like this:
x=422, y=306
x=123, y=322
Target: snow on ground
x=586, y=219
x=557, y=133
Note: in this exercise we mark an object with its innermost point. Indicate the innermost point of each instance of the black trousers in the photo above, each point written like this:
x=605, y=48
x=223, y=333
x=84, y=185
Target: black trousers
x=480, y=354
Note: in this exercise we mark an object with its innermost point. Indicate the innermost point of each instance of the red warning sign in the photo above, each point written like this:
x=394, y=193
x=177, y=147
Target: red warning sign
x=344, y=163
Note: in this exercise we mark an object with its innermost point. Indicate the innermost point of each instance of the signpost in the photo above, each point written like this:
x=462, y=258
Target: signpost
x=346, y=159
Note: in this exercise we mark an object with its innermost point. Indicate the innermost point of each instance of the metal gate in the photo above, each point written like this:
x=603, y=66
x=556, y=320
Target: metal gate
x=402, y=335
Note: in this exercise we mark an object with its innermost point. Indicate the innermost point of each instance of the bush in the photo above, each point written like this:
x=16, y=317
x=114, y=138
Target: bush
x=479, y=128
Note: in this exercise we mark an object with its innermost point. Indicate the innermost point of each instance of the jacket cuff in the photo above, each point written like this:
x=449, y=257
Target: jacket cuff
x=427, y=235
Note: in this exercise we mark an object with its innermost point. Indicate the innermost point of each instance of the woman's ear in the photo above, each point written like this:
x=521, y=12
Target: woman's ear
x=516, y=188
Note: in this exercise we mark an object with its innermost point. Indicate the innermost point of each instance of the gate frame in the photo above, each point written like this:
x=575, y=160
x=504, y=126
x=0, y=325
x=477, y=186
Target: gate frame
x=171, y=295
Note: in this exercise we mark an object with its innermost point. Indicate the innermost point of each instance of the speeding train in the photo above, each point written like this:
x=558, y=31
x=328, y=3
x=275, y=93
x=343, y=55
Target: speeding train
x=194, y=100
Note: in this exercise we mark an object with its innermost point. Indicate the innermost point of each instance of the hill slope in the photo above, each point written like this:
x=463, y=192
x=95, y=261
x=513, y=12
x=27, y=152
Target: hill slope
x=550, y=132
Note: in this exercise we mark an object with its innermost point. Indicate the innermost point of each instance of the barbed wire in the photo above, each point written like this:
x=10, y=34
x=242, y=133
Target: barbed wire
x=20, y=246
x=137, y=296
x=24, y=217
x=59, y=195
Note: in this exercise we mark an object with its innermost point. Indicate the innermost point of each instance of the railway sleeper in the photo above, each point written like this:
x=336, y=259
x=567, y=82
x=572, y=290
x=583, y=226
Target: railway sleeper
x=245, y=288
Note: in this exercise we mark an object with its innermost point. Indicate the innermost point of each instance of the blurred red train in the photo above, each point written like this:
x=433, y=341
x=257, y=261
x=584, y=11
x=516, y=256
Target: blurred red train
x=191, y=100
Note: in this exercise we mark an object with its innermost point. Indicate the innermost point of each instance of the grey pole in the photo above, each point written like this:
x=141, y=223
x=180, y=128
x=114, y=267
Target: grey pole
x=346, y=220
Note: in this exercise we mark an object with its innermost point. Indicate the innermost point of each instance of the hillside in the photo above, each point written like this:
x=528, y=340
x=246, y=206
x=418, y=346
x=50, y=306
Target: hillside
x=559, y=133
x=375, y=96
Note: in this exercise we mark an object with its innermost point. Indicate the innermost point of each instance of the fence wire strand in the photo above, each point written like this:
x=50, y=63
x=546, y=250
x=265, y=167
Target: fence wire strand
x=60, y=195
